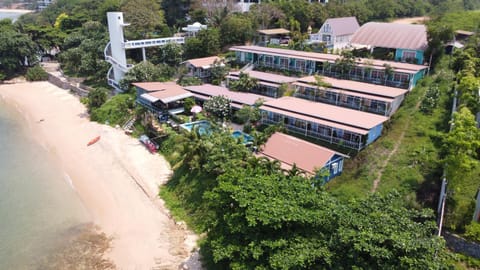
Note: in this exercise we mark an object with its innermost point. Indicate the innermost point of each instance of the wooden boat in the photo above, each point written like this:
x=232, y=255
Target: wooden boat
x=94, y=140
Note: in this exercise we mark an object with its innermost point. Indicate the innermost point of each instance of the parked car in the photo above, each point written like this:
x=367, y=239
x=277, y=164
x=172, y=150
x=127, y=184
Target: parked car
x=149, y=144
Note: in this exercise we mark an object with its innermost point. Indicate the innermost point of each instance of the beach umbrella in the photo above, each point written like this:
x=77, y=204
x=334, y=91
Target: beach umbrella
x=196, y=109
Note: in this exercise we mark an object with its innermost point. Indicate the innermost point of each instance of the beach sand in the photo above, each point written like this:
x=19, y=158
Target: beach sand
x=116, y=178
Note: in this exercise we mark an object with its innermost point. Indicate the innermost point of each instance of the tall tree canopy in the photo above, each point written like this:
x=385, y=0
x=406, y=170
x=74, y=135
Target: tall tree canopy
x=275, y=221
x=17, y=50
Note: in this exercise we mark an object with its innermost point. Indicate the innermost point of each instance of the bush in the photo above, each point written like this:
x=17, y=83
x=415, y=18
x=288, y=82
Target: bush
x=472, y=231
x=430, y=100
x=36, y=73
x=115, y=111
x=96, y=98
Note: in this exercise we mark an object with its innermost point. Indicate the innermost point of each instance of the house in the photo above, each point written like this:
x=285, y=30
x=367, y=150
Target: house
x=389, y=73
x=409, y=41
x=238, y=99
x=200, y=67
x=268, y=83
x=378, y=99
x=161, y=97
x=336, y=125
x=274, y=36
x=308, y=157
x=336, y=33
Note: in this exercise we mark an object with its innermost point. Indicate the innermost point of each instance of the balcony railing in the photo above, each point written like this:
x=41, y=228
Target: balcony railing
x=316, y=135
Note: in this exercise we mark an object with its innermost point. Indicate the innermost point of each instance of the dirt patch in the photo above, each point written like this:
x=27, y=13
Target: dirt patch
x=412, y=20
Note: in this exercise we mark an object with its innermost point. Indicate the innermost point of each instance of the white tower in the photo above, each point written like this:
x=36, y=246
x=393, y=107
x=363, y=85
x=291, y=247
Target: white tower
x=116, y=50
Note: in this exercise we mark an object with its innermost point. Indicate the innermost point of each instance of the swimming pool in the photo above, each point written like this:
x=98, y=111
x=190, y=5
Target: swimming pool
x=203, y=126
x=246, y=138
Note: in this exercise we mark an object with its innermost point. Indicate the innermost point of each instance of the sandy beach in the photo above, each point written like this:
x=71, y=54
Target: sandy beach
x=116, y=178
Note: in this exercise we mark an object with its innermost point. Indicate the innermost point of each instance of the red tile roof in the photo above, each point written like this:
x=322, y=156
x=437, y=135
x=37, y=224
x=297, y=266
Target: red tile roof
x=392, y=35
x=406, y=67
x=343, y=26
x=290, y=150
x=330, y=113
x=208, y=90
x=360, y=87
x=164, y=91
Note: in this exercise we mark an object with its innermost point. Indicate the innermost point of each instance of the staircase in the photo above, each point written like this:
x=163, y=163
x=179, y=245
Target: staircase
x=247, y=67
x=129, y=124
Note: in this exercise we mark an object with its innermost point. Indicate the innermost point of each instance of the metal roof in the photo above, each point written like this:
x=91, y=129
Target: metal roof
x=349, y=117
x=324, y=57
x=291, y=150
x=343, y=26
x=391, y=35
x=165, y=91
x=360, y=87
x=209, y=90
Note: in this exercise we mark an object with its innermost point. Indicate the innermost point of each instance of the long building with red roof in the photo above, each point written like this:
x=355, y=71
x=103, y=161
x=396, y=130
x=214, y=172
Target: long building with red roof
x=395, y=74
x=336, y=125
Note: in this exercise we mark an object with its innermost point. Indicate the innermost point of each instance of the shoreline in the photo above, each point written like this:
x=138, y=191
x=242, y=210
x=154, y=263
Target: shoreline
x=116, y=178
x=6, y=10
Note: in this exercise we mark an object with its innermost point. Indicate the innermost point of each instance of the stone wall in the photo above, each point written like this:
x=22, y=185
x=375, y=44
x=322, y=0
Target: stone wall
x=463, y=246
x=64, y=84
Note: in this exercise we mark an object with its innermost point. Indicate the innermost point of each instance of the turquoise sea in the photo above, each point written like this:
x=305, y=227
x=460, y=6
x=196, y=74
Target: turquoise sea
x=39, y=209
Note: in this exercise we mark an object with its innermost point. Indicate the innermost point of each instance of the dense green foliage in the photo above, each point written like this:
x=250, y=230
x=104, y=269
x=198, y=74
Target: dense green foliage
x=96, y=98
x=462, y=144
x=472, y=231
x=271, y=221
x=36, y=73
x=115, y=111
x=258, y=216
x=17, y=50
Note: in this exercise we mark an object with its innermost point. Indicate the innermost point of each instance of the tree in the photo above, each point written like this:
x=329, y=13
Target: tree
x=236, y=29
x=96, y=98
x=245, y=83
x=247, y=114
x=275, y=221
x=17, y=50
x=388, y=72
x=146, y=72
x=218, y=71
x=345, y=63
x=218, y=106
x=265, y=14
x=206, y=43
x=36, y=73
x=468, y=90
x=144, y=16
x=461, y=144
x=170, y=54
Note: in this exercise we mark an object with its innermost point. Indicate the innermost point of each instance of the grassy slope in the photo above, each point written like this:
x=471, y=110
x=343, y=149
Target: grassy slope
x=414, y=167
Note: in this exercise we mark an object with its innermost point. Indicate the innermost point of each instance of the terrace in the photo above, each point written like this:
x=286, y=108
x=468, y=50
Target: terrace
x=376, y=99
x=395, y=74
x=332, y=124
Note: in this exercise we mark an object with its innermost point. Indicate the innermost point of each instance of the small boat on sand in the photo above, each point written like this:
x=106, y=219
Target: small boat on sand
x=94, y=140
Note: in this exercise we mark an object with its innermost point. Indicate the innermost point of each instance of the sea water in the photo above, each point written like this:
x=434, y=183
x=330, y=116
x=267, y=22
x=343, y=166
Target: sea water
x=39, y=208
x=13, y=15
